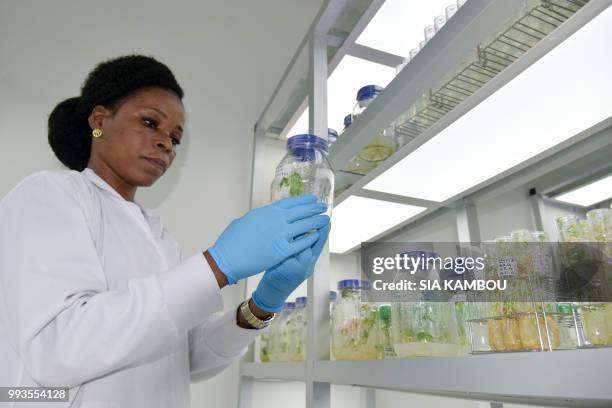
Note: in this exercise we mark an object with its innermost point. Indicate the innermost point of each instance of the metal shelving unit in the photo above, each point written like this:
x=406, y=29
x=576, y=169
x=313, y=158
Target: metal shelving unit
x=566, y=378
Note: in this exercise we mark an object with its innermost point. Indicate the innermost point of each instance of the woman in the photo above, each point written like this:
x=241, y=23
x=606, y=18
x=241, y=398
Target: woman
x=93, y=293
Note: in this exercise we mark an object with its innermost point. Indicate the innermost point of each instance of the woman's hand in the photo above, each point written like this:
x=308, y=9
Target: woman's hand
x=265, y=236
x=279, y=282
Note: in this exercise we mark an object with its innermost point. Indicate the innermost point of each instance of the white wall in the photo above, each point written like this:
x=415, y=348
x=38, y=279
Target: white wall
x=228, y=56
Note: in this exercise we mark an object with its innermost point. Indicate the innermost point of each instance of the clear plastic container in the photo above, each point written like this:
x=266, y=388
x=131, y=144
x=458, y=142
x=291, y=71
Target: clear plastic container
x=354, y=323
x=384, y=144
x=304, y=170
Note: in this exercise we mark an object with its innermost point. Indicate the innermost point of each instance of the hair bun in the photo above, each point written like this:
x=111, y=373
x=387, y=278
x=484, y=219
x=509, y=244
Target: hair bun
x=69, y=134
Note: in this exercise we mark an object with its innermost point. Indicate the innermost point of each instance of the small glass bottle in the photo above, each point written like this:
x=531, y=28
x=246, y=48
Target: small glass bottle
x=450, y=11
x=429, y=31
x=304, y=170
x=439, y=22
x=413, y=53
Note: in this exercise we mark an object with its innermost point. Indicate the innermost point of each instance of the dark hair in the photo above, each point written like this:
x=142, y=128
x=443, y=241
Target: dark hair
x=109, y=84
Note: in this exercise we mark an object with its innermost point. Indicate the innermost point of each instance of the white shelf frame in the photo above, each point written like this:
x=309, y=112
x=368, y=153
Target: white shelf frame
x=570, y=378
x=566, y=378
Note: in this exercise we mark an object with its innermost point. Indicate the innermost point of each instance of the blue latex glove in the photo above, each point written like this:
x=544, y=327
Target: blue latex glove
x=265, y=236
x=279, y=282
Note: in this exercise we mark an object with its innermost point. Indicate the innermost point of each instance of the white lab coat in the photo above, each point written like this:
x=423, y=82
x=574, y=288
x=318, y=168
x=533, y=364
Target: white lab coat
x=94, y=296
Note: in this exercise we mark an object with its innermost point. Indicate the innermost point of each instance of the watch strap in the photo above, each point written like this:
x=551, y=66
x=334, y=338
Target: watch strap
x=253, y=320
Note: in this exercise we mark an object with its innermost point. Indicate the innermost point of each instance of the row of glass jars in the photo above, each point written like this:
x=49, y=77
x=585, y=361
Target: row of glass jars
x=361, y=329
x=286, y=337
x=509, y=322
x=595, y=318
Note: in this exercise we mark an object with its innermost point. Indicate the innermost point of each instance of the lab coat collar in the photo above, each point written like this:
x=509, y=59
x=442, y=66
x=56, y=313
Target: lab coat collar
x=153, y=220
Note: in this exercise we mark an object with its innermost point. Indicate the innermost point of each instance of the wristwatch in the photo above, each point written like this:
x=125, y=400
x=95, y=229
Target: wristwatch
x=253, y=320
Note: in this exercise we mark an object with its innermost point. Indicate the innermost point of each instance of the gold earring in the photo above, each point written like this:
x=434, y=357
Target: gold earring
x=96, y=133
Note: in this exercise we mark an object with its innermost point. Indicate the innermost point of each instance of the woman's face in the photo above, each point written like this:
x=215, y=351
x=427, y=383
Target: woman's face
x=139, y=141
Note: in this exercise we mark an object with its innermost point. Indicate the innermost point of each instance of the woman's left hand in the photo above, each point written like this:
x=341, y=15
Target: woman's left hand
x=279, y=282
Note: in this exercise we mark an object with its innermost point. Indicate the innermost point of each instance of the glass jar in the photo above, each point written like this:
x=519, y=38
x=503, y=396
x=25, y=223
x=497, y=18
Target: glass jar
x=570, y=230
x=332, y=136
x=333, y=295
x=384, y=144
x=348, y=120
x=386, y=336
x=298, y=332
x=429, y=32
x=450, y=11
x=354, y=323
x=304, y=170
x=279, y=340
x=596, y=322
x=439, y=22
x=425, y=329
x=600, y=221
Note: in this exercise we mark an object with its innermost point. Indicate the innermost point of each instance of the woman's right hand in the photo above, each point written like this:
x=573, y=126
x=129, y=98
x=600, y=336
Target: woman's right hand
x=266, y=236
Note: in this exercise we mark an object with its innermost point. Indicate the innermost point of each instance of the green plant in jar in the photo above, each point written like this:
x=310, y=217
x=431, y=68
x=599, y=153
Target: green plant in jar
x=304, y=170
x=354, y=323
x=425, y=329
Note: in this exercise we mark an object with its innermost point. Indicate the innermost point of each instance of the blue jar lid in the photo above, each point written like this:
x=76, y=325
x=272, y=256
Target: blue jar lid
x=348, y=120
x=289, y=305
x=307, y=142
x=368, y=92
x=348, y=283
x=364, y=284
x=333, y=295
x=331, y=134
x=300, y=301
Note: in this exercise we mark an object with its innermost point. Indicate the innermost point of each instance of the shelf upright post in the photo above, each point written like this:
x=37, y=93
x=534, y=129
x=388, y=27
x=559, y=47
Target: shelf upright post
x=468, y=229
x=317, y=340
